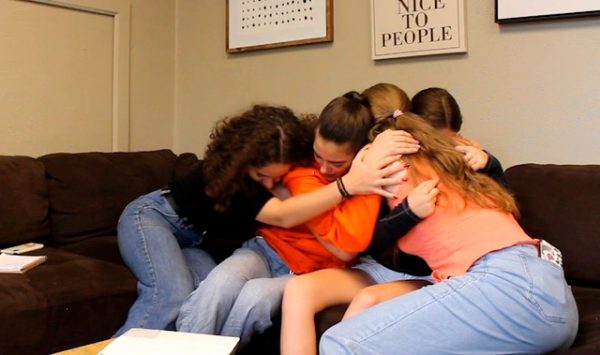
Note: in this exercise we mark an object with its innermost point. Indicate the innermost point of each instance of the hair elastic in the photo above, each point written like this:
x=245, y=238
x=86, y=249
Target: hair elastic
x=397, y=113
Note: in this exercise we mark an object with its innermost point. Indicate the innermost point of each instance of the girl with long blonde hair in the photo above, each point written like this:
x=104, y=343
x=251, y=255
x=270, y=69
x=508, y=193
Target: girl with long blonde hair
x=492, y=291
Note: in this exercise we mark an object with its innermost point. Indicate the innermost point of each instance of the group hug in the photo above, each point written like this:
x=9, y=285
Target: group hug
x=315, y=201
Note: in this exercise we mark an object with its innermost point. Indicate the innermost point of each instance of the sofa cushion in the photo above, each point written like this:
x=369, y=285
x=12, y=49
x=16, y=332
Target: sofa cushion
x=88, y=191
x=560, y=203
x=69, y=300
x=103, y=248
x=23, y=200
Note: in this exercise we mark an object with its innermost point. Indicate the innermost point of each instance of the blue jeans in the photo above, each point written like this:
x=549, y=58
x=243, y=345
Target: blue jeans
x=160, y=249
x=240, y=296
x=381, y=274
x=510, y=301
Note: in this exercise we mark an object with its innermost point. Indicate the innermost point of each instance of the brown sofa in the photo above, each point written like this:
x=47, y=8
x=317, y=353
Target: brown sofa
x=71, y=202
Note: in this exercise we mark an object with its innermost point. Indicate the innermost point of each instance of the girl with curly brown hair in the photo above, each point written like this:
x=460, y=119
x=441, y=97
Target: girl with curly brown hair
x=227, y=195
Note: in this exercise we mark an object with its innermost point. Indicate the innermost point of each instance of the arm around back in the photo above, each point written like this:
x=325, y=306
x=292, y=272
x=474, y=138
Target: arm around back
x=362, y=179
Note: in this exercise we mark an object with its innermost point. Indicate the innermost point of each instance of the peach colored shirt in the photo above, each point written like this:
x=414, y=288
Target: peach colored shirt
x=457, y=234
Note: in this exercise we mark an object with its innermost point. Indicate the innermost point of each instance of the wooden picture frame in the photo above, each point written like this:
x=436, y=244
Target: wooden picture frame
x=408, y=28
x=263, y=24
x=508, y=11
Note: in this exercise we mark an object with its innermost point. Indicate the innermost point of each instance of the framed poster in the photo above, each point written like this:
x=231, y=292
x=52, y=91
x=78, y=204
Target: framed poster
x=262, y=24
x=408, y=28
x=520, y=10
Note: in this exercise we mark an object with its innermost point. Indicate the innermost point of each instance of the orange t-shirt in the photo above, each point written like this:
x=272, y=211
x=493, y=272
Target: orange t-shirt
x=348, y=226
x=457, y=234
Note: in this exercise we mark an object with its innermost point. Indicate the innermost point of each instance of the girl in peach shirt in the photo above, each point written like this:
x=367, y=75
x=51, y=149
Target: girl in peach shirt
x=492, y=293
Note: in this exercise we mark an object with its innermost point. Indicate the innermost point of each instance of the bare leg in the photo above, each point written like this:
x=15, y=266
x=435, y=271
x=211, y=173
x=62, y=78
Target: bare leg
x=372, y=295
x=305, y=296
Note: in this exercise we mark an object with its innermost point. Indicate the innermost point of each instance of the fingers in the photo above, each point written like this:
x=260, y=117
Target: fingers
x=473, y=156
x=388, y=181
x=462, y=148
x=403, y=134
x=405, y=148
x=428, y=185
x=468, y=151
x=423, y=198
x=473, y=161
x=433, y=194
x=388, y=166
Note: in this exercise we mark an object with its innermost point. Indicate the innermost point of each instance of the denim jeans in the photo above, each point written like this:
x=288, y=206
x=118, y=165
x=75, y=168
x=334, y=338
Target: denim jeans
x=161, y=250
x=381, y=274
x=240, y=296
x=510, y=301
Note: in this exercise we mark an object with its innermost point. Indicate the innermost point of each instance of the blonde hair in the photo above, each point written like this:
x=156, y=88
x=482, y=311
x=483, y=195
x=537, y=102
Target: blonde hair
x=386, y=98
x=437, y=152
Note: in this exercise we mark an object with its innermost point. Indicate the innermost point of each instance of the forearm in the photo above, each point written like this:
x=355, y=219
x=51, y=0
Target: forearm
x=494, y=169
x=300, y=208
x=391, y=227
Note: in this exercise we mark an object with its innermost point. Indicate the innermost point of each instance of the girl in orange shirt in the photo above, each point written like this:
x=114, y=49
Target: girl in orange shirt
x=240, y=295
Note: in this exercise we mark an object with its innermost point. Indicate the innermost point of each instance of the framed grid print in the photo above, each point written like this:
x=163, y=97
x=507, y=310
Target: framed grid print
x=263, y=24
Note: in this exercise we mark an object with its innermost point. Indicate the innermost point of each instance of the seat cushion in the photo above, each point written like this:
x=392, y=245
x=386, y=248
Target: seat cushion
x=68, y=301
x=103, y=248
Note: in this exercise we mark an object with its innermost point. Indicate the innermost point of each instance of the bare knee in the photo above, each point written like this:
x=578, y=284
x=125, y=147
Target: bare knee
x=300, y=293
x=366, y=298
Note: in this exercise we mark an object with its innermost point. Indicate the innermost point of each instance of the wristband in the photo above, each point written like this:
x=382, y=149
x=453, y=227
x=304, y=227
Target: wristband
x=342, y=188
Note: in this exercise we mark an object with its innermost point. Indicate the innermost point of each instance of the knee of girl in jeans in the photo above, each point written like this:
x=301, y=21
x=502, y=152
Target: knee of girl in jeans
x=260, y=294
x=177, y=294
x=127, y=217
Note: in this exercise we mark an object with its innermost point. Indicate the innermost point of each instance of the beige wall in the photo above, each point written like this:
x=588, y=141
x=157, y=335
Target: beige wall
x=56, y=76
x=529, y=92
x=152, y=74
x=57, y=84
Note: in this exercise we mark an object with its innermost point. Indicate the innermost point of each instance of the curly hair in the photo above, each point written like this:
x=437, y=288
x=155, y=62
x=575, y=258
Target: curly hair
x=386, y=98
x=437, y=151
x=261, y=136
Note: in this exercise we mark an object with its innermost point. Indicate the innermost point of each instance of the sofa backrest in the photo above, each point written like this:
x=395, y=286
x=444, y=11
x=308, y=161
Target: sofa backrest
x=560, y=203
x=23, y=200
x=88, y=191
